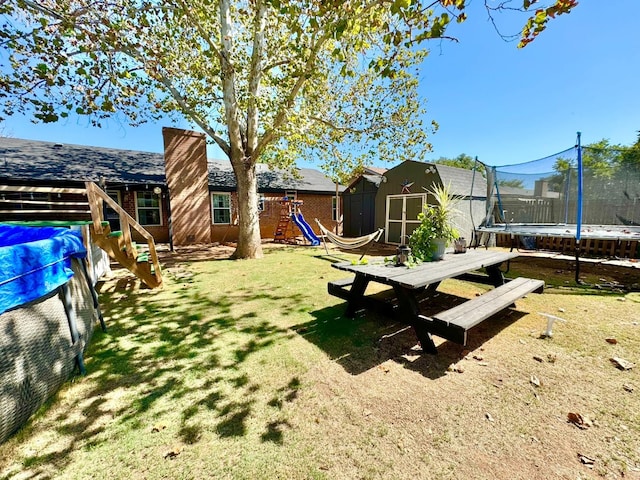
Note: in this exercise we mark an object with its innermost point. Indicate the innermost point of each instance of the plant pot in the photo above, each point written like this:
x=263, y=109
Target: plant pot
x=459, y=245
x=440, y=244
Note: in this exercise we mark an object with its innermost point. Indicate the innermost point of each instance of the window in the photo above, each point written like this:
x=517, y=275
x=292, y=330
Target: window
x=334, y=209
x=261, y=203
x=291, y=195
x=221, y=208
x=148, y=208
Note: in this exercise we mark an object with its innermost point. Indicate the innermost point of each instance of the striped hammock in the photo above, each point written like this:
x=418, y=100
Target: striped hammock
x=348, y=243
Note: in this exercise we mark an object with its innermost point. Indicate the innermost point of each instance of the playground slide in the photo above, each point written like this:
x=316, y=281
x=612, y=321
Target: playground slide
x=306, y=230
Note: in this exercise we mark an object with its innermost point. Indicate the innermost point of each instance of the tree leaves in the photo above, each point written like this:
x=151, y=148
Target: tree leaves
x=538, y=22
x=268, y=81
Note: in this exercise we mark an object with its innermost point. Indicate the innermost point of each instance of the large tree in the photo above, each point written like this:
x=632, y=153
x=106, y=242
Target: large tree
x=266, y=80
x=461, y=161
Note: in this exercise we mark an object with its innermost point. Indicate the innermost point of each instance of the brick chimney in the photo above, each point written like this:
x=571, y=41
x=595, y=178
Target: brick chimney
x=185, y=159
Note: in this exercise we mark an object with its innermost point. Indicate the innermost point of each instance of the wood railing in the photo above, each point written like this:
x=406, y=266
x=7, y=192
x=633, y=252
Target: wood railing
x=97, y=198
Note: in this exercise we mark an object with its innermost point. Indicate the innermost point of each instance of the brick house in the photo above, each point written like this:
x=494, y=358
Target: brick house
x=171, y=195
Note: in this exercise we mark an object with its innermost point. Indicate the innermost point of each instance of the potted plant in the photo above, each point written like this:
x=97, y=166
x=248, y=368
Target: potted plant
x=436, y=229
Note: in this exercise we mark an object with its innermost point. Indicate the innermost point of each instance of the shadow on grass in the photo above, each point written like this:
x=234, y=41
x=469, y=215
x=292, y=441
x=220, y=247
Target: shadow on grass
x=370, y=339
x=179, y=352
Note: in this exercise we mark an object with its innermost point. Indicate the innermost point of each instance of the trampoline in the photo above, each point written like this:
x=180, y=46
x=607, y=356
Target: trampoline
x=596, y=232
x=584, y=194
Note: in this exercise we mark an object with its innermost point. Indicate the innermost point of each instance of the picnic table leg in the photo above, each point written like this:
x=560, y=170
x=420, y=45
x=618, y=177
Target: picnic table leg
x=495, y=275
x=432, y=287
x=410, y=308
x=356, y=293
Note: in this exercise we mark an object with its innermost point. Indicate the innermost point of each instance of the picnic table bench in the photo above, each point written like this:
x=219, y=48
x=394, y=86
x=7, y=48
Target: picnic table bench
x=411, y=284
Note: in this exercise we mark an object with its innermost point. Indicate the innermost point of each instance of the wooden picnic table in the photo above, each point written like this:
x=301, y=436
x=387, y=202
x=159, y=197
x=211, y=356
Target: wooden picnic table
x=410, y=283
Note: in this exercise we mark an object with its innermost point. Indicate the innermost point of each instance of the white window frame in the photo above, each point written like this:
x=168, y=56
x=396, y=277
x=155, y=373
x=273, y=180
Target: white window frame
x=213, y=208
x=261, y=202
x=159, y=208
x=334, y=208
x=291, y=195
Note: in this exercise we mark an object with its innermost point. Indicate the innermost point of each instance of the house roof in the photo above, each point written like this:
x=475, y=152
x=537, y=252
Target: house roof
x=461, y=181
x=37, y=161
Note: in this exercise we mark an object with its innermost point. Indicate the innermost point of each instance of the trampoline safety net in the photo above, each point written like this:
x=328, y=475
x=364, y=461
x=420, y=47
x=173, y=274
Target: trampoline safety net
x=580, y=188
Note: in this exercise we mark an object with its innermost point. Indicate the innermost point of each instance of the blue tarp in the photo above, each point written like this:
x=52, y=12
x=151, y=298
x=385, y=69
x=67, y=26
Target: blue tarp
x=35, y=261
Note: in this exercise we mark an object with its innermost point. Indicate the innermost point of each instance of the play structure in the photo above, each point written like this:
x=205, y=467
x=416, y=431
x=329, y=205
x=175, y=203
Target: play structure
x=584, y=199
x=344, y=243
x=290, y=213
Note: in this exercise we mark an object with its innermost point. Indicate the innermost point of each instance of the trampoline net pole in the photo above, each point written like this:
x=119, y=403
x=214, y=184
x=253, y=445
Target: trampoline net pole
x=579, y=199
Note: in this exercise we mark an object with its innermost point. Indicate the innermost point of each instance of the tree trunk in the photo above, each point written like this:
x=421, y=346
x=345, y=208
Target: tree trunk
x=249, y=245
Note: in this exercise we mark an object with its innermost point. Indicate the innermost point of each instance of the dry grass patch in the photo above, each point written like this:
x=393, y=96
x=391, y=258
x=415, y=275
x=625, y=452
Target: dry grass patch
x=248, y=369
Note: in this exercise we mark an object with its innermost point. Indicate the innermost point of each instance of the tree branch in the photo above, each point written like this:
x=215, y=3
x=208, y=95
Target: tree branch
x=228, y=83
x=255, y=76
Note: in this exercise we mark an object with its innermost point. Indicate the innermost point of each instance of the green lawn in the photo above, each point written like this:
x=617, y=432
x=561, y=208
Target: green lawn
x=247, y=369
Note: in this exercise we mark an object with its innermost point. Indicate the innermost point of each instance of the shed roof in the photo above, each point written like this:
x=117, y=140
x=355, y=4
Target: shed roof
x=34, y=160
x=462, y=180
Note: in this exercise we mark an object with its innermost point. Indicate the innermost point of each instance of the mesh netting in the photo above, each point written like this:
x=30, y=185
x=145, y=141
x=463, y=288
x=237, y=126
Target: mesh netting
x=580, y=186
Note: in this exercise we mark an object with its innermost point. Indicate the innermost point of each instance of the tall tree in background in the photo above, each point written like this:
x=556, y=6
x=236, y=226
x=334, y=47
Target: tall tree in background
x=461, y=161
x=266, y=80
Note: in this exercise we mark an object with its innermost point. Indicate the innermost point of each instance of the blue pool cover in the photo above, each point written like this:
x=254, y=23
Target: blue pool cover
x=35, y=261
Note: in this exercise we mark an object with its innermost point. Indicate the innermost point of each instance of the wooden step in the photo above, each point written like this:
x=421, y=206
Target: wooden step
x=454, y=323
x=337, y=288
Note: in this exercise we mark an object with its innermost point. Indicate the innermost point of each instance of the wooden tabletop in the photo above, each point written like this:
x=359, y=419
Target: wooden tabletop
x=419, y=276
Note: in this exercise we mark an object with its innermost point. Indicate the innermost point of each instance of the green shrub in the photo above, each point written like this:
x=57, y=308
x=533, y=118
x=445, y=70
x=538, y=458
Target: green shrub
x=435, y=223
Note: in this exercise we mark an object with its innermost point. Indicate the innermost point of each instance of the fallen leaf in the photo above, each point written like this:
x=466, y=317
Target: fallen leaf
x=366, y=413
x=588, y=461
x=173, y=453
x=582, y=422
x=622, y=364
x=628, y=387
x=478, y=357
x=612, y=341
x=384, y=368
x=158, y=427
x=323, y=467
x=561, y=309
x=488, y=417
x=534, y=380
x=552, y=357
x=538, y=358
x=523, y=342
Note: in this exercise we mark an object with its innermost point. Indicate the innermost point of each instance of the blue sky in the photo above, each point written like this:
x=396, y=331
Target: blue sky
x=492, y=100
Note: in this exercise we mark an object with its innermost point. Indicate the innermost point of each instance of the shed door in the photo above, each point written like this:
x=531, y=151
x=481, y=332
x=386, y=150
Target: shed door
x=402, y=216
x=359, y=217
